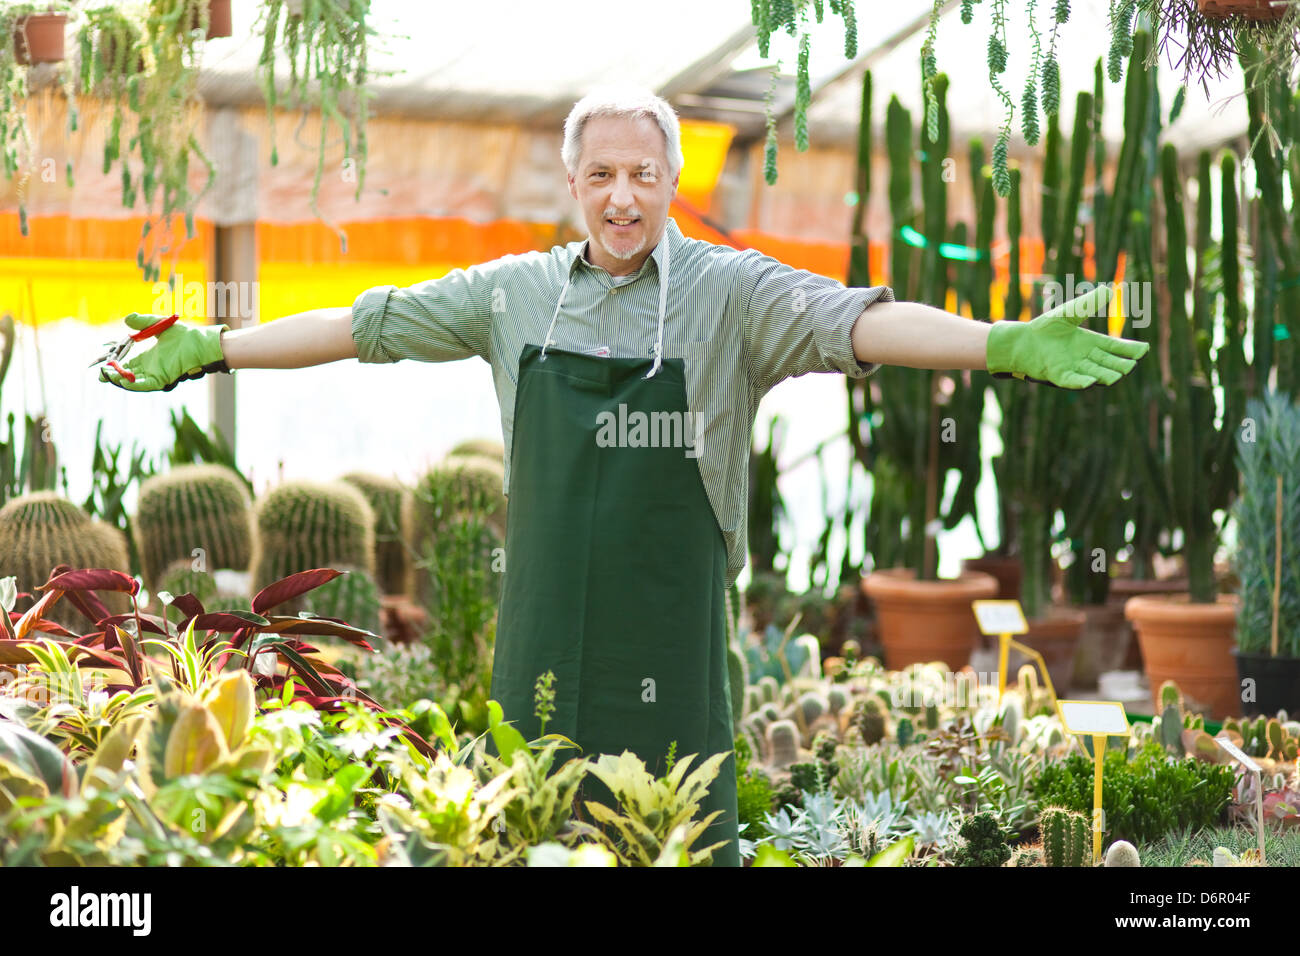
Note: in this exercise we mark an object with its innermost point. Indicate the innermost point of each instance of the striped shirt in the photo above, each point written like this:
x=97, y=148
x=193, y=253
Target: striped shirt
x=741, y=321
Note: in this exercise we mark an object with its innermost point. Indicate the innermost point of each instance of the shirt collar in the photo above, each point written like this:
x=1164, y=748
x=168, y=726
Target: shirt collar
x=671, y=234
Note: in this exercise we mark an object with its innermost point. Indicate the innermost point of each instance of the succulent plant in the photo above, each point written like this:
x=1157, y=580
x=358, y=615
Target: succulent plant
x=1122, y=853
x=783, y=743
x=194, y=508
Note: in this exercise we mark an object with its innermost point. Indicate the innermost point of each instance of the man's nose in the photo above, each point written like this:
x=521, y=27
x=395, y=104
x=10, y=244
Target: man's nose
x=622, y=195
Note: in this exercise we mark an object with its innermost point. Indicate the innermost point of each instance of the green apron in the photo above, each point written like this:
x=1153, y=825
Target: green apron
x=615, y=575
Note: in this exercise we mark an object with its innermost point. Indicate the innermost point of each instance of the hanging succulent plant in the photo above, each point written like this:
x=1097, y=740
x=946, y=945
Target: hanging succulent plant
x=769, y=16
x=325, y=43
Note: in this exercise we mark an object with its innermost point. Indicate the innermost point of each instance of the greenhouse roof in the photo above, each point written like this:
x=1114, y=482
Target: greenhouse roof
x=524, y=62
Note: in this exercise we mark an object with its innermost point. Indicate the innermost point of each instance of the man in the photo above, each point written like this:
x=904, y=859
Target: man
x=629, y=368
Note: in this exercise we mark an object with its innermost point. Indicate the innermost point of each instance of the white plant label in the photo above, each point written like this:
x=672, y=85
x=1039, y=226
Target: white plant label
x=1094, y=717
x=999, y=617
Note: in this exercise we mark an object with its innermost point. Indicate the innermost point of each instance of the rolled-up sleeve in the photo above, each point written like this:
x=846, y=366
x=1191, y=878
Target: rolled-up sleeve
x=440, y=320
x=798, y=321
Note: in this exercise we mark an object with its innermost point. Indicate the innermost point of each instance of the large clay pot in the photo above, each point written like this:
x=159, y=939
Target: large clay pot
x=922, y=621
x=1103, y=643
x=1006, y=570
x=1055, y=635
x=38, y=38
x=1121, y=589
x=1190, y=644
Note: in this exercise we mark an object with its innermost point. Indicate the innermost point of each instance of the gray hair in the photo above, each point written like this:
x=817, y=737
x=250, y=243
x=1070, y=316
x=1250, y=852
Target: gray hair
x=627, y=102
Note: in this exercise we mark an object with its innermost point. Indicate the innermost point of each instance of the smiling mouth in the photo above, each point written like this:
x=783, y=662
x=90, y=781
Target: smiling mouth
x=622, y=223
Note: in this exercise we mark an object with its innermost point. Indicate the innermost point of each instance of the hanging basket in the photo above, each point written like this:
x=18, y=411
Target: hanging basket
x=38, y=38
x=1250, y=9
x=218, y=20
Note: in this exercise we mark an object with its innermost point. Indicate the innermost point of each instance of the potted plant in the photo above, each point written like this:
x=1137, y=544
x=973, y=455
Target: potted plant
x=37, y=31
x=920, y=424
x=1188, y=466
x=1268, y=563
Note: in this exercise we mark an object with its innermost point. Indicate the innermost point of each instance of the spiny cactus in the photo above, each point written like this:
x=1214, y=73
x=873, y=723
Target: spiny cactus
x=194, y=507
x=462, y=496
x=870, y=721
x=809, y=706
x=1122, y=853
x=393, y=504
x=308, y=524
x=837, y=698
x=783, y=743
x=41, y=530
x=769, y=688
x=905, y=731
x=984, y=843
x=180, y=577
x=1065, y=837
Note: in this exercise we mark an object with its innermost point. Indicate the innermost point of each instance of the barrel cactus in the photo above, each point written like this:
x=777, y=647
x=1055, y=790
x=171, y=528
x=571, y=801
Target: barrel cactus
x=783, y=743
x=870, y=721
x=194, y=508
x=461, y=496
x=392, y=503
x=181, y=577
x=308, y=524
x=480, y=447
x=1065, y=837
x=1122, y=853
x=41, y=530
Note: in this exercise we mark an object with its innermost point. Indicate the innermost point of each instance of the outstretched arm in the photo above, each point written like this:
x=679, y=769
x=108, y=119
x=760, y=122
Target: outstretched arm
x=1051, y=350
x=919, y=336
x=307, y=338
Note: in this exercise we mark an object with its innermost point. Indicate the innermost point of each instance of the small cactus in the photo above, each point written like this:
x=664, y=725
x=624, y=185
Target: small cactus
x=783, y=743
x=810, y=706
x=870, y=721
x=769, y=688
x=905, y=731
x=1122, y=853
x=931, y=717
x=837, y=698
x=1065, y=836
x=1170, y=696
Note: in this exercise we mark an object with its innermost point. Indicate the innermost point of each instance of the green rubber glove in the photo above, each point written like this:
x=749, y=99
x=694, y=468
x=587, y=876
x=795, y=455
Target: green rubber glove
x=1053, y=350
x=182, y=352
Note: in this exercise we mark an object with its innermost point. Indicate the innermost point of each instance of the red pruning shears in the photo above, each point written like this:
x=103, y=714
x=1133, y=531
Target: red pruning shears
x=116, y=351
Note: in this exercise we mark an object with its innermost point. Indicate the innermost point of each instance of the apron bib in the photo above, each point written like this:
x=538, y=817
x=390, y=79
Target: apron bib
x=615, y=573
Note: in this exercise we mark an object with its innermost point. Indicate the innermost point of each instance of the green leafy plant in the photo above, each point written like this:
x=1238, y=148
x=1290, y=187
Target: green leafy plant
x=1146, y=795
x=651, y=810
x=1268, y=446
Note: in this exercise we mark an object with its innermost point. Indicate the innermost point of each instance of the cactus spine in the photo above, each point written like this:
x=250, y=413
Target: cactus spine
x=1065, y=837
x=204, y=508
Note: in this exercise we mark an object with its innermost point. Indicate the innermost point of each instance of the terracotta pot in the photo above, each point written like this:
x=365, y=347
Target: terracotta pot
x=1006, y=570
x=1250, y=9
x=1190, y=644
x=1055, y=636
x=1103, y=643
x=1121, y=589
x=38, y=38
x=218, y=19
x=921, y=621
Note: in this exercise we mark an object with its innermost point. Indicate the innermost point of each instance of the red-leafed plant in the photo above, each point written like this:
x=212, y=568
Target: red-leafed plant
x=201, y=640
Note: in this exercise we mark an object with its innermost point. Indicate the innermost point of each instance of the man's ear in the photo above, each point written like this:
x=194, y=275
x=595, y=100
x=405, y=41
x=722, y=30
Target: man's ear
x=573, y=186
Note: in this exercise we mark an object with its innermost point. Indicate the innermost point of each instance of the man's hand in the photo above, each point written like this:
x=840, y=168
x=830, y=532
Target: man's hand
x=181, y=352
x=1053, y=350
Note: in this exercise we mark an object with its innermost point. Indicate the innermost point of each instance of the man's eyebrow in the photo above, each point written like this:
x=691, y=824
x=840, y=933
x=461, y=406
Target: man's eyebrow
x=596, y=164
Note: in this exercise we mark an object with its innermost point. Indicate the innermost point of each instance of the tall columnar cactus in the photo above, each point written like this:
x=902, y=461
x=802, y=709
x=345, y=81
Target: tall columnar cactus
x=1065, y=837
x=1277, y=326
x=200, y=513
x=41, y=530
x=738, y=680
x=393, y=504
x=913, y=439
x=308, y=524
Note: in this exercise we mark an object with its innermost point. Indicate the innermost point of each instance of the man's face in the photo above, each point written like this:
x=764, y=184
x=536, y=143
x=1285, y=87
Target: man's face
x=623, y=175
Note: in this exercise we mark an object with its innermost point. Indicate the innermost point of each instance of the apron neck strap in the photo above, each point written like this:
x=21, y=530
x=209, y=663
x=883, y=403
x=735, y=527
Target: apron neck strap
x=663, y=310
